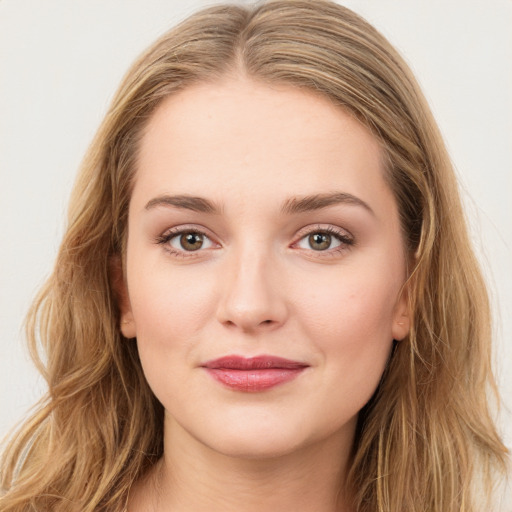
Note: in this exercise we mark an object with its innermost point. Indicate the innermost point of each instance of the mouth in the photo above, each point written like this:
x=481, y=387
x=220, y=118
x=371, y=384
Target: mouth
x=254, y=374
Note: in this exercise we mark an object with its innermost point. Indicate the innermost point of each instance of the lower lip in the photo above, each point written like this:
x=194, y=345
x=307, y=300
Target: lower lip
x=253, y=381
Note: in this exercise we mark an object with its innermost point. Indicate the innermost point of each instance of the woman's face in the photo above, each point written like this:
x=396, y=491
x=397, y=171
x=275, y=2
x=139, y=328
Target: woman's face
x=264, y=266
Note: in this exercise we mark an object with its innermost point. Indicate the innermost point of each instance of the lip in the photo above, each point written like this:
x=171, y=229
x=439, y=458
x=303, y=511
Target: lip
x=253, y=374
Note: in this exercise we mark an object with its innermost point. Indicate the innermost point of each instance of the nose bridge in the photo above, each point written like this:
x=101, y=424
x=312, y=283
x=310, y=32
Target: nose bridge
x=252, y=297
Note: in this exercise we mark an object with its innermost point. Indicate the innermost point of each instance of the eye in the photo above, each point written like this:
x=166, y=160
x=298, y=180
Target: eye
x=326, y=239
x=191, y=241
x=319, y=241
x=181, y=241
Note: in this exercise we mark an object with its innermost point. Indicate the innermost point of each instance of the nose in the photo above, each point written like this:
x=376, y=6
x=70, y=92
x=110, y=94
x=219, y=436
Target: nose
x=253, y=298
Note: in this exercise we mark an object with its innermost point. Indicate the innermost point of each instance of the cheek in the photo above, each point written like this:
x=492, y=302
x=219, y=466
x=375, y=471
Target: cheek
x=168, y=325
x=170, y=310
x=354, y=305
x=350, y=324
x=175, y=304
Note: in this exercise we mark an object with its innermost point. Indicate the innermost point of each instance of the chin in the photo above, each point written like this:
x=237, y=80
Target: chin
x=246, y=434
x=257, y=445
x=269, y=436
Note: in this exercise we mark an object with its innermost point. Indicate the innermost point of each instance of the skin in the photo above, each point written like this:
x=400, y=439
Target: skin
x=256, y=286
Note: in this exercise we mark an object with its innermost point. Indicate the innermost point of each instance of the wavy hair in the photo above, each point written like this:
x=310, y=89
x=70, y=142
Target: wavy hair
x=425, y=442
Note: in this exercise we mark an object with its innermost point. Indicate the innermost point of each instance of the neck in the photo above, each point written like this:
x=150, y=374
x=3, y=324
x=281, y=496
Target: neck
x=192, y=476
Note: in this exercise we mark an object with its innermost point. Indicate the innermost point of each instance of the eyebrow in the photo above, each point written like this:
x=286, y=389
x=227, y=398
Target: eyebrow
x=291, y=206
x=319, y=201
x=196, y=204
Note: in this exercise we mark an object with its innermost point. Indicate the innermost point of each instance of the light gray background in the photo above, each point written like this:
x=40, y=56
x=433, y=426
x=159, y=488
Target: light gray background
x=61, y=60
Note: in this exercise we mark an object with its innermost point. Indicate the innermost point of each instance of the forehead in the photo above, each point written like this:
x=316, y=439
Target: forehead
x=254, y=138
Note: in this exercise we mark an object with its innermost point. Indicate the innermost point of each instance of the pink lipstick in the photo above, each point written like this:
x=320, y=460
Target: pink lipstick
x=253, y=374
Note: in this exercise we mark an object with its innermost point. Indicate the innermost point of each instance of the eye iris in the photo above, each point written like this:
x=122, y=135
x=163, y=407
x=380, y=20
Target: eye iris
x=319, y=241
x=191, y=241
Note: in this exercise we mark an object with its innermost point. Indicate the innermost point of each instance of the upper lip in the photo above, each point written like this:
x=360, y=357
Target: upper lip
x=263, y=362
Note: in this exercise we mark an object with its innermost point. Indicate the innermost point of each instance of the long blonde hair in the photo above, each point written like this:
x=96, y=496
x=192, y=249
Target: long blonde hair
x=426, y=439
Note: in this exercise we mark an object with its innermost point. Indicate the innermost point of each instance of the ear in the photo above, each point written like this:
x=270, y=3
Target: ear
x=402, y=315
x=118, y=284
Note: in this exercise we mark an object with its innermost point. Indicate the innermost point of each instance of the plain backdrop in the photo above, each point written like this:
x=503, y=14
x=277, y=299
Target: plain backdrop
x=61, y=61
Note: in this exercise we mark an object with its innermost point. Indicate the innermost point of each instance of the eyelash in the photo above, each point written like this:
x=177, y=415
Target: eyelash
x=346, y=241
x=173, y=233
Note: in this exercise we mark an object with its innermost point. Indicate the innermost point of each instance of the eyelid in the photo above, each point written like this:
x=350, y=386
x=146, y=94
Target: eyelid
x=345, y=237
x=323, y=228
x=173, y=232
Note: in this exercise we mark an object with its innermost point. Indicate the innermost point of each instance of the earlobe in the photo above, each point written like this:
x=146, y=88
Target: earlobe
x=401, y=328
x=402, y=316
x=127, y=325
x=118, y=283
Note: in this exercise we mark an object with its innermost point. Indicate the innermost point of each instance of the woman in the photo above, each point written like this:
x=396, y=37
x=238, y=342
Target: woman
x=266, y=297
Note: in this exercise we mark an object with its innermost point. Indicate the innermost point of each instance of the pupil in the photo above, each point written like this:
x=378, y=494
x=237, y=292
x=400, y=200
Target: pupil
x=191, y=241
x=319, y=241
